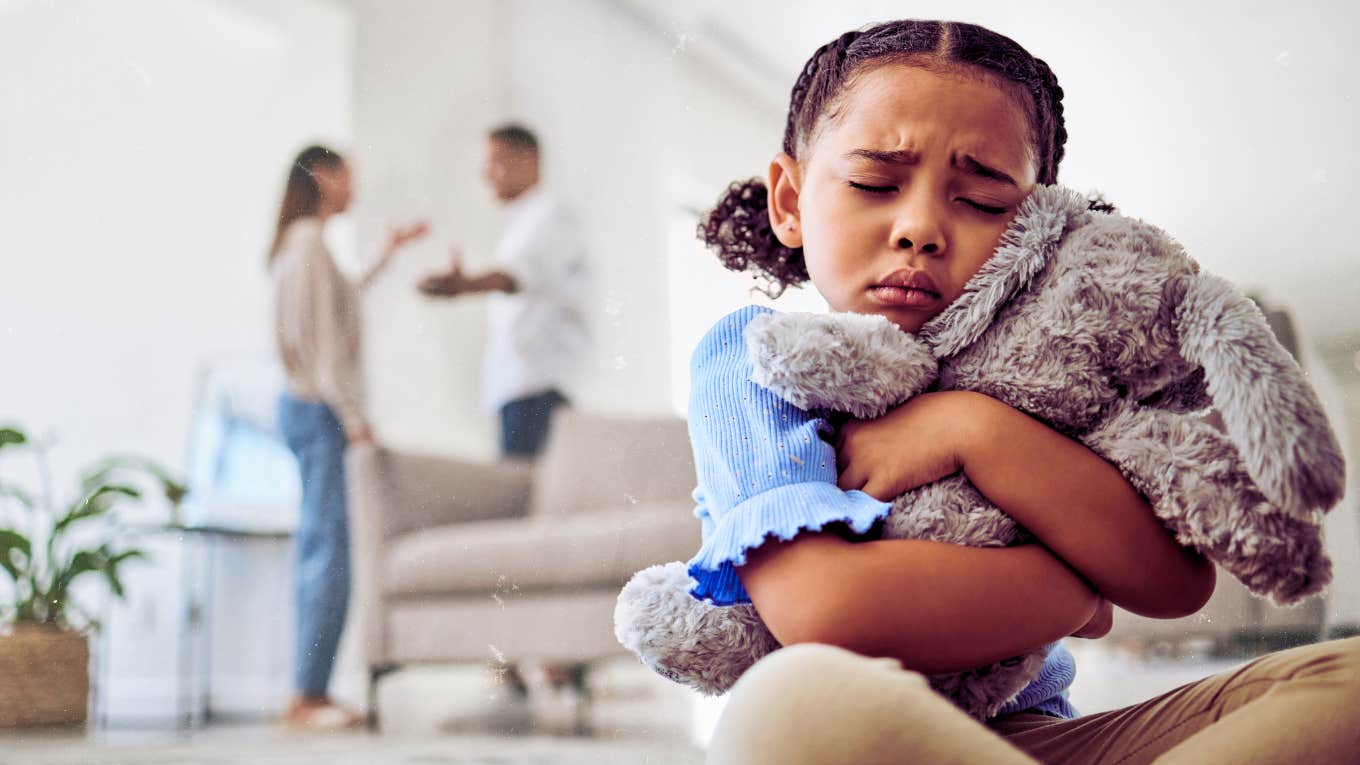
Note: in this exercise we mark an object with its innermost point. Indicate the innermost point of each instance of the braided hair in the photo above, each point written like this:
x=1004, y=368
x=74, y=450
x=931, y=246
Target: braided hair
x=738, y=227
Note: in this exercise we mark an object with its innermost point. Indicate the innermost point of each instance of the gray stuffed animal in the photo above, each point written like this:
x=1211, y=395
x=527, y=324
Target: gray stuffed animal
x=1101, y=326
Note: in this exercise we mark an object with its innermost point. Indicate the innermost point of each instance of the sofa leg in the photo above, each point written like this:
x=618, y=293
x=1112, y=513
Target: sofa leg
x=579, y=674
x=376, y=672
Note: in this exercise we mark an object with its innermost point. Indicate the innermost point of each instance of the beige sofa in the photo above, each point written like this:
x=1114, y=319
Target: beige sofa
x=462, y=562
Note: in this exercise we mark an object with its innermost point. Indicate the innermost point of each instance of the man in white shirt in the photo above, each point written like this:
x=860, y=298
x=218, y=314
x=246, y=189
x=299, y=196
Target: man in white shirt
x=537, y=337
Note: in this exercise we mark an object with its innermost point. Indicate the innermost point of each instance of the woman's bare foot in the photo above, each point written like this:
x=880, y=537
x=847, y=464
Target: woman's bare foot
x=320, y=714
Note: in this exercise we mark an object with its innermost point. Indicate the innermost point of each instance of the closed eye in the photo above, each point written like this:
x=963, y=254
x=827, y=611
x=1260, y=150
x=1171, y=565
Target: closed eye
x=980, y=207
x=871, y=189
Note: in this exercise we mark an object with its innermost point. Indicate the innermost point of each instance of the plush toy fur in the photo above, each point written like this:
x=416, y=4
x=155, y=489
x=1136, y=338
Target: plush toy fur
x=1101, y=326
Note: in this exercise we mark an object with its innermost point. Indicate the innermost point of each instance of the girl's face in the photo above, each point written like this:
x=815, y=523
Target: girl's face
x=906, y=190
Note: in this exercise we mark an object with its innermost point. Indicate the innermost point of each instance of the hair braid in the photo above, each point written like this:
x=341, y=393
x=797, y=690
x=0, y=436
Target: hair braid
x=1049, y=97
x=815, y=72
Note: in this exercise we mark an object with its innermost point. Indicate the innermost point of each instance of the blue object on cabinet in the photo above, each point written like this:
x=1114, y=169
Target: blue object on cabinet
x=241, y=473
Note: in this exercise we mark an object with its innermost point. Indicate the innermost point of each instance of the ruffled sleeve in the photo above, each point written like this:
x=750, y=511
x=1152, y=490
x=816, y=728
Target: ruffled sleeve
x=765, y=467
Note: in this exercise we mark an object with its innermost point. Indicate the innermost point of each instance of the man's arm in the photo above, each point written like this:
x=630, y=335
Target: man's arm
x=450, y=285
x=455, y=282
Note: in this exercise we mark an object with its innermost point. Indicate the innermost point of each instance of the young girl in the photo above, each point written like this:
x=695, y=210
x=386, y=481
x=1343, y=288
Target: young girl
x=907, y=150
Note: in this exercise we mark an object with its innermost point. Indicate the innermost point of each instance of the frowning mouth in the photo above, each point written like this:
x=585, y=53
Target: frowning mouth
x=906, y=289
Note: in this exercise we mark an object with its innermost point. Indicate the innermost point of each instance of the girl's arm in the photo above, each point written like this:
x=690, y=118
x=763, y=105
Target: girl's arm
x=1076, y=503
x=935, y=607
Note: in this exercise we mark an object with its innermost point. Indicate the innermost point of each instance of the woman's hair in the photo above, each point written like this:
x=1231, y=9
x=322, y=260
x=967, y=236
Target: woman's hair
x=302, y=195
x=738, y=227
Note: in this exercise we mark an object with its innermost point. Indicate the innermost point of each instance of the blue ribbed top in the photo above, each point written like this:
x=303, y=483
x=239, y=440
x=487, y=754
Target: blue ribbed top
x=764, y=466
x=767, y=469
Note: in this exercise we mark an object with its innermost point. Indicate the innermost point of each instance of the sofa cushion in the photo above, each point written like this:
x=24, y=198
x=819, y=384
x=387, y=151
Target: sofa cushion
x=593, y=462
x=506, y=557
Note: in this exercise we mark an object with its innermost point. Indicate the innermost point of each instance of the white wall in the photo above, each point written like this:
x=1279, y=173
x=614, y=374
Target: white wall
x=144, y=147
x=428, y=81
x=601, y=88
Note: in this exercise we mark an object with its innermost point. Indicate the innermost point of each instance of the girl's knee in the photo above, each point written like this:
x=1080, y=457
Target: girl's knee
x=812, y=667
x=1335, y=664
x=781, y=688
x=794, y=702
x=820, y=704
x=1348, y=660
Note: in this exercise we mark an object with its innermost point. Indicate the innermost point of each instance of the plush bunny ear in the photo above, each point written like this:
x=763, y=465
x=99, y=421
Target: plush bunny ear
x=843, y=362
x=1270, y=412
x=1025, y=249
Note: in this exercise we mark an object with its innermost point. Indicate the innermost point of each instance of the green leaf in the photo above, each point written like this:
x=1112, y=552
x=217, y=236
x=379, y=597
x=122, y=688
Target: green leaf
x=100, y=561
x=111, y=572
x=96, y=501
x=12, y=542
x=105, y=470
x=12, y=437
x=83, y=562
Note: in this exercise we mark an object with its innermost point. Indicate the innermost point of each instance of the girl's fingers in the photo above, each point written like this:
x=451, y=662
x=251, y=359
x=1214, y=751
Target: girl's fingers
x=850, y=480
x=879, y=490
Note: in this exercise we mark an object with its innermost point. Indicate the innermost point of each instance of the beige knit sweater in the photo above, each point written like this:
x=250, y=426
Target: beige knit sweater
x=317, y=324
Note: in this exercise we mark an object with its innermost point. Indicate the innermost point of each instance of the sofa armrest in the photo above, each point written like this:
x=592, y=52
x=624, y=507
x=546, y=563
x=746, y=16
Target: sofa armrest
x=391, y=493
x=406, y=492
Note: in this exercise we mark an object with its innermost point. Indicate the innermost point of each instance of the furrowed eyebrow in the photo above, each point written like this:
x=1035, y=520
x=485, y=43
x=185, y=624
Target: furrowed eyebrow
x=973, y=167
x=964, y=162
x=896, y=157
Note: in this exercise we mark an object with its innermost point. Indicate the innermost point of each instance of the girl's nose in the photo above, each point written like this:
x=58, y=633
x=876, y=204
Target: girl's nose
x=918, y=227
x=929, y=248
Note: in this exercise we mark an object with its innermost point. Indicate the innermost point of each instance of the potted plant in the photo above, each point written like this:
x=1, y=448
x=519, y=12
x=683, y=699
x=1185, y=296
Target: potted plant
x=45, y=549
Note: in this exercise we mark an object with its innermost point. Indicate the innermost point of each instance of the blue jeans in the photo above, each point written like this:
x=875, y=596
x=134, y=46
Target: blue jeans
x=318, y=440
x=524, y=423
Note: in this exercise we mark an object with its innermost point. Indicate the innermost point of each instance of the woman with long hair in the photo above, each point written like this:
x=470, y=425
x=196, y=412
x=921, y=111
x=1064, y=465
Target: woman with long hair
x=321, y=414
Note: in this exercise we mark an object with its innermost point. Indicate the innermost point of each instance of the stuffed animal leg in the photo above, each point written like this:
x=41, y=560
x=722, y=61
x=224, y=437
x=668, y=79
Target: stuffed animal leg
x=684, y=639
x=1199, y=488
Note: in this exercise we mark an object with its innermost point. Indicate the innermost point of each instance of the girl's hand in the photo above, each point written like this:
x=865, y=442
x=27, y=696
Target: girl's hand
x=913, y=445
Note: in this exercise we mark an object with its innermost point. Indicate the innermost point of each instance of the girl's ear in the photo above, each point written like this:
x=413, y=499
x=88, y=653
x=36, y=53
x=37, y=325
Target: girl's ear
x=784, y=184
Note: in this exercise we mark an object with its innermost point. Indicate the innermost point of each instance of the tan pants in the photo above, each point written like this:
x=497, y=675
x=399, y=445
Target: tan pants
x=818, y=704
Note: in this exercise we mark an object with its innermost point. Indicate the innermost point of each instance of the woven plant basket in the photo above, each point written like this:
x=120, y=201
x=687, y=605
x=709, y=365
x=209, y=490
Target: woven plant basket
x=44, y=677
